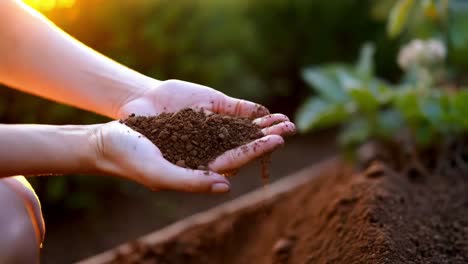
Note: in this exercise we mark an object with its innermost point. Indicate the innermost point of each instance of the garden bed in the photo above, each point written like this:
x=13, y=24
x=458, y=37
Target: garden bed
x=328, y=213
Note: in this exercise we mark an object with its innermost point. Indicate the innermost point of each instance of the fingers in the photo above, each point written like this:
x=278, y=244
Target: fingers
x=282, y=129
x=276, y=124
x=238, y=107
x=269, y=120
x=238, y=157
x=181, y=179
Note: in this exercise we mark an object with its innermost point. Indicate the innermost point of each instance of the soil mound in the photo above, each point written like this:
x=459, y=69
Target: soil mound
x=377, y=215
x=192, y=139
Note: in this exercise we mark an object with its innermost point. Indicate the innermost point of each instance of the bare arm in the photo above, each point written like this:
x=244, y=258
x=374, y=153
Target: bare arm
x=107, y=149
x=39, y=58
x=43, y=149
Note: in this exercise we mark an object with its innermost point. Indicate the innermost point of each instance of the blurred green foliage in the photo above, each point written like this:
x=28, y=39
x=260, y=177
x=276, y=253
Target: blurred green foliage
x=249, y=49
x=427, y=106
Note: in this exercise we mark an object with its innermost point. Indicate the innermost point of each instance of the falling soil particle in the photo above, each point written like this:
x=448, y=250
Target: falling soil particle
x=192, y=139
x=265, y=161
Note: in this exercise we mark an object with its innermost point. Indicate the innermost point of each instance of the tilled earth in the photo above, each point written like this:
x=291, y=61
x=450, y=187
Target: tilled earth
x=376, y=215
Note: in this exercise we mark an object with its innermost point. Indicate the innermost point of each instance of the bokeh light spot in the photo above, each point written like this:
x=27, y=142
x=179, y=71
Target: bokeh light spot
x=47, y=5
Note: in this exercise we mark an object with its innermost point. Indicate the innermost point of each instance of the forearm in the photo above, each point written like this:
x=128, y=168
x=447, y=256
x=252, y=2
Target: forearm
x=43, y=149
x=38, y=58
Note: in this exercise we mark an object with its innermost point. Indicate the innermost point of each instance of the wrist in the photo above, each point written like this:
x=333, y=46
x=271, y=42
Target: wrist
x=101, y=157
x=80, y=152
x=94, y=157
x=133, y=95
x=86, y=154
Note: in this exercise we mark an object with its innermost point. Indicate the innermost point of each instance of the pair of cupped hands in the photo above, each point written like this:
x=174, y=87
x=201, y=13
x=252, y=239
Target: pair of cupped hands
x=124, y=152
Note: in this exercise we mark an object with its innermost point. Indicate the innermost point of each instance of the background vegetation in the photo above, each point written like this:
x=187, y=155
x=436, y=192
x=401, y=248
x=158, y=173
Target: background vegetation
x=426, y=107
x=249, y=49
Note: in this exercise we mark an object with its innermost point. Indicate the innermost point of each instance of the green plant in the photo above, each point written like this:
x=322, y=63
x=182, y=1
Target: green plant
x=446, y=20
x=428, y=105
x=344, y=92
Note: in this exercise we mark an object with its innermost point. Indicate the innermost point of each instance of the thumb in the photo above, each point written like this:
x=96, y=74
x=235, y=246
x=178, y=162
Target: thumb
x=176, y=178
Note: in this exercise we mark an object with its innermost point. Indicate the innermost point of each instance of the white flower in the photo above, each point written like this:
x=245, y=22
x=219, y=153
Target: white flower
x=424, y=53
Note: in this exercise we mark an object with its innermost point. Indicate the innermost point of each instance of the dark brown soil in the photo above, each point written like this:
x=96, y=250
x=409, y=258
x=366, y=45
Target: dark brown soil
x=192, y=139
x=378, y=215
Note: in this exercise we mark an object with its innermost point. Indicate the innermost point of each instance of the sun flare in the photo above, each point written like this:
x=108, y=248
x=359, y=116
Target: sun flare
x=46, y=5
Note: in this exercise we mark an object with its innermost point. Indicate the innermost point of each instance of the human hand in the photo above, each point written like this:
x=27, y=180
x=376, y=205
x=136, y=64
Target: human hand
x=124, y=152
x=173, y=95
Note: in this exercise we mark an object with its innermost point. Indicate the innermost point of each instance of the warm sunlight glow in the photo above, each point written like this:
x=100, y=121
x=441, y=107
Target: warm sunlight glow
x=46, y=5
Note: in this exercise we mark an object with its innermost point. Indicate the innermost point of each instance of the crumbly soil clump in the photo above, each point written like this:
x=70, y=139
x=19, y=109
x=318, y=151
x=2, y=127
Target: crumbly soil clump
x=193, y=139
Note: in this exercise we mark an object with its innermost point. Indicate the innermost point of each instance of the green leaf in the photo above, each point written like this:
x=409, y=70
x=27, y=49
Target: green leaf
x=365, y=99
x=439, y=113
x=389, y=123
x=347, y=78
x=398, y=17
x=317, y=113
x=382, y=91
x=356, y=132
x=432, y=110
x=365, y=65
x=324, y=81
x=406, y=102
x=459, y=108
x=457, y=31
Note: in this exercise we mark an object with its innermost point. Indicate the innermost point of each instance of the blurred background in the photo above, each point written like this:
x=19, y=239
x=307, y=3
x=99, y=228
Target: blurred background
x=253, y=50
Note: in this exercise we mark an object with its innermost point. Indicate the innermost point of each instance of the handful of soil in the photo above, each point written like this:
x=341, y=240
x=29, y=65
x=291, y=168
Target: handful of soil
x=193, y=139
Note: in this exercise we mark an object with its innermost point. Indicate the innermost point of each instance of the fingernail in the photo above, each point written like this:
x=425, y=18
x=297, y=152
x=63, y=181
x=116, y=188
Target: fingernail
x=219, y=188
x=279, y=145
